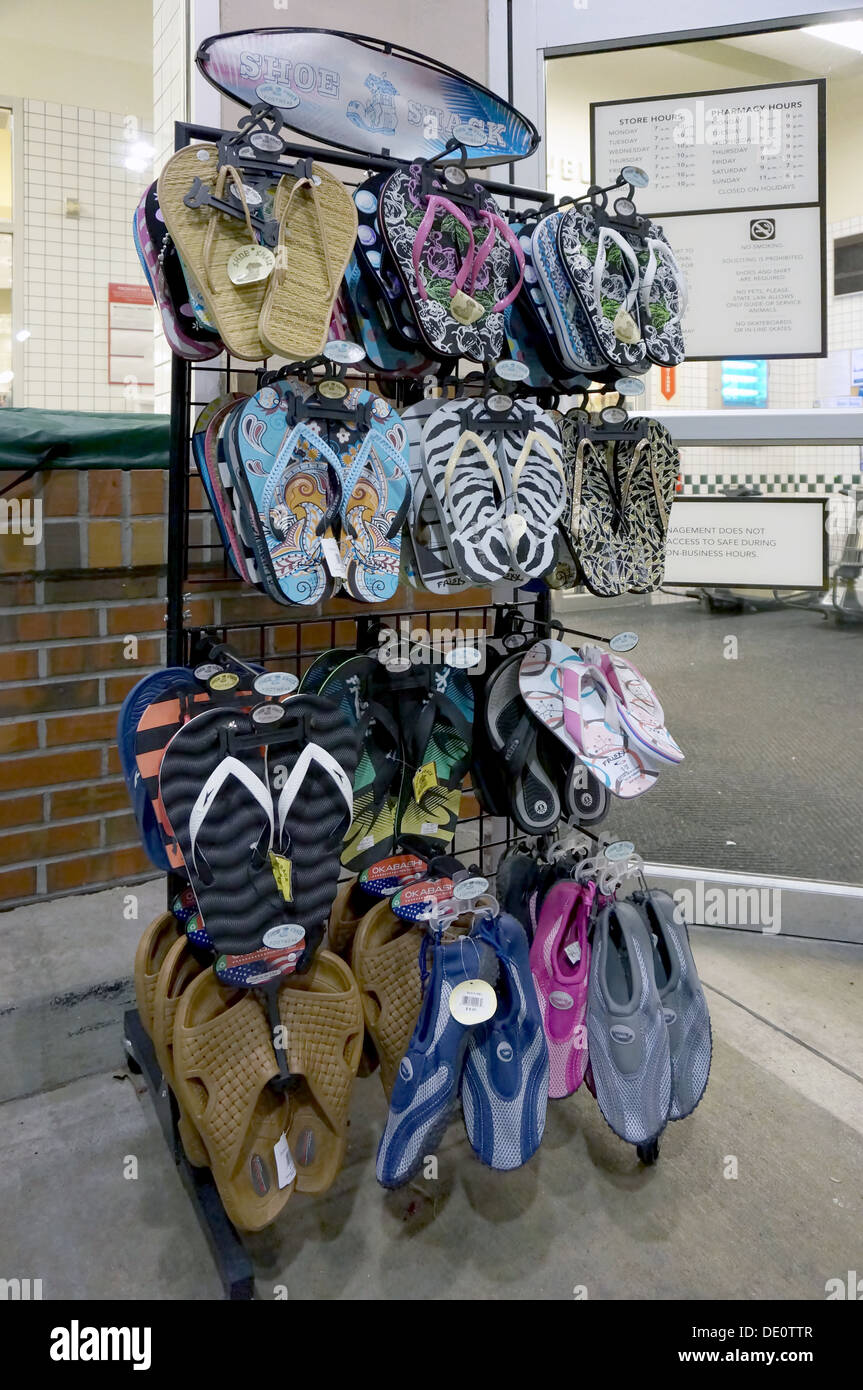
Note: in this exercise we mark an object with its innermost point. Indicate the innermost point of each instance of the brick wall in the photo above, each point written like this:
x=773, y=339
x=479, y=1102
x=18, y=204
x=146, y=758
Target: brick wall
x=67, y=606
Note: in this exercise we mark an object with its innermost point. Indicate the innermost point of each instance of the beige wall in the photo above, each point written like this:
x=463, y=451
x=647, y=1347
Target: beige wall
x=416, y=24
x=97, y=53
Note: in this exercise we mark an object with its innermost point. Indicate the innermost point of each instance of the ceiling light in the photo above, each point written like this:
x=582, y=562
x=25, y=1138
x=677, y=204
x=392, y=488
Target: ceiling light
x=141, y=150
x=22, y=335
x=6, y=377
x=848, y=35
x=136, y=165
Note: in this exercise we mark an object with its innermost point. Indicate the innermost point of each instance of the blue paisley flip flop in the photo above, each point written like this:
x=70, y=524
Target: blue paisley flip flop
x=375, y=483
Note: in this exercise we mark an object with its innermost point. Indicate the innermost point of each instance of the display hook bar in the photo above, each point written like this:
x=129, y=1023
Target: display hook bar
x=187, y=131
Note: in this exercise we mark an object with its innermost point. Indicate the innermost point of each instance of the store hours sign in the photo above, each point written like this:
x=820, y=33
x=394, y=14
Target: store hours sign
x=737, y=180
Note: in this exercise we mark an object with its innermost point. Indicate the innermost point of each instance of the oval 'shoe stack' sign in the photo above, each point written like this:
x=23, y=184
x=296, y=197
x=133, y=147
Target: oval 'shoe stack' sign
x=361, y=94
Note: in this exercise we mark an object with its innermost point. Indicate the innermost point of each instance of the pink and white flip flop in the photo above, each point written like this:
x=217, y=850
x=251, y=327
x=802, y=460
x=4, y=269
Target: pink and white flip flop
x=640, y=710
x=574, y=700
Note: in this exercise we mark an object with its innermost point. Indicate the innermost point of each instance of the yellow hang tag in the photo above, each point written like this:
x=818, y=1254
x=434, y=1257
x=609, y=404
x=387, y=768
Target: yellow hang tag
x=282, y=874
x=424, y=778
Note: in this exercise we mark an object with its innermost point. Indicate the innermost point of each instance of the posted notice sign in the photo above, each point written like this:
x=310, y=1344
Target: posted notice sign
x=747, y=544
x=737, y=180
x=753, y=280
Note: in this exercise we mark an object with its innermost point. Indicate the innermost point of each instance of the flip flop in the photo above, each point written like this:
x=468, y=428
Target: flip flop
x=223, y=1063
x=218, y=801
x=376, y=268
x=369, y=327
x=470, y=493
x=206, y=239
x=317, y=231
x=597, y=527
x=322, y=1016
x=663, y=298
x=452, y=261
x=638, y=703
x=532, y=799
x=576, y=345
x=649, y=470
x=179, y=968
x=573, y=700
x=360, y=688
x=385, y=961
x=156, y=941
x=209, y=455
x=149, y=715
x=375, y=494
x=287, y=482
x=603, y=270
x=437, y=751
x=426, y=556
x=186, y=337
x=533, y=454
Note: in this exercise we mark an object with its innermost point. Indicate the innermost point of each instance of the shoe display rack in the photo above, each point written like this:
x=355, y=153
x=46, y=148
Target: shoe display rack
x=290, y=643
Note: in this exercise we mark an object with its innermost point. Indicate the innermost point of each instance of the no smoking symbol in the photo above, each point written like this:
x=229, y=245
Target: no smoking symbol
x=762, y=229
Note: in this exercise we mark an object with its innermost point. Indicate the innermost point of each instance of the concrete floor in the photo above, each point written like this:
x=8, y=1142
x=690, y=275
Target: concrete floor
x=785, y=1102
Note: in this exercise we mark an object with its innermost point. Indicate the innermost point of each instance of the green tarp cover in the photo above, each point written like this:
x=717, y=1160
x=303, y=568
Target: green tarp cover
x=82, y=439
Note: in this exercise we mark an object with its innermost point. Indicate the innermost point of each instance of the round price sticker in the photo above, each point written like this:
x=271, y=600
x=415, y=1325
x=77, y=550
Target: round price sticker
x=473, y=1001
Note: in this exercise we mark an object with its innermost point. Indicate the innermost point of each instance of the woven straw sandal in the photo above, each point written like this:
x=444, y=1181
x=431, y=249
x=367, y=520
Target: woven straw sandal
x=317, y=232
x=385, y=960
x=223, y=1060
x=153, y=947
x=205, y=239
x=179, y=969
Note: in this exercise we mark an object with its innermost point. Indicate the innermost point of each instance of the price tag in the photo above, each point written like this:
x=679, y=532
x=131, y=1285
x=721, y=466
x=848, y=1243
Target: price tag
x=333, y=558
x=619, y=849
x=250, y=264
x=424, y=779
x=572, y=952
x=286, y=1171
x=473, y=1001
x=282, y=874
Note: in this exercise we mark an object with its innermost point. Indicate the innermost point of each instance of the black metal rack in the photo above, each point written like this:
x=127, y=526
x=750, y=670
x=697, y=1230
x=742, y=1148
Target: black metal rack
x=187, y=644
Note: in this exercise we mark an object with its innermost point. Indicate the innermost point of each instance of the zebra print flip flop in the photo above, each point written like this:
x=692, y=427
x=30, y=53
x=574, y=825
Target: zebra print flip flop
x=469, y=491
x=533, y=456
x=426, y=557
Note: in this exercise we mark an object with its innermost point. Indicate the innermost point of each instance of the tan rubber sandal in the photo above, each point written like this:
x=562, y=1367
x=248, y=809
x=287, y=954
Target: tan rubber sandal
x=179, y=969
x=205, y=239
x=385, y=960
x=349, y=908
x=223, y=1060
x=323, y=1021
x=317, y=233
x=153, y=947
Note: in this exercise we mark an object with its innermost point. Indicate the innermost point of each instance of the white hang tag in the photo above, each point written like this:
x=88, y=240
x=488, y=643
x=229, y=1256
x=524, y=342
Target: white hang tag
x=513, y=528
x=250, y=264
x=572, y=952
x=333, y=557
x=473, y=1001
x=464, y=308
x=286, y=1170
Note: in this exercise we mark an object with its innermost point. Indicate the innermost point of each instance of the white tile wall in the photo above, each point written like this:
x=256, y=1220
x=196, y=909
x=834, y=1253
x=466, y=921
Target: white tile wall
x=76, y=152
